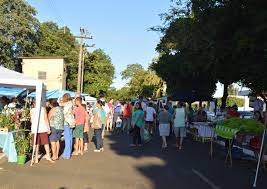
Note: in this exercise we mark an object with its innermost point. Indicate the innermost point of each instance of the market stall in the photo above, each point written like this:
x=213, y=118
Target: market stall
x=241, y=133
x=12, y=79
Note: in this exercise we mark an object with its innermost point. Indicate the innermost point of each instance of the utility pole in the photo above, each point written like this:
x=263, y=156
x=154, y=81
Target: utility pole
x=82, y=75
x=83, y=35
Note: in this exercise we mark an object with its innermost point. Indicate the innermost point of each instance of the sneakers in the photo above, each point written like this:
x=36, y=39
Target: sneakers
x=97, y=150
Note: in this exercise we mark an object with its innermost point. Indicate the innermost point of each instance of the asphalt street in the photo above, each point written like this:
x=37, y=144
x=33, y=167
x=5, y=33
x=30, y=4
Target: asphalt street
x=147, y=167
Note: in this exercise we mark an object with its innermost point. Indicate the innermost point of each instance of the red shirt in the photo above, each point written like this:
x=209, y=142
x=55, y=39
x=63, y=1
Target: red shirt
x=127, y=111
x=80, y=115
x=232, y=113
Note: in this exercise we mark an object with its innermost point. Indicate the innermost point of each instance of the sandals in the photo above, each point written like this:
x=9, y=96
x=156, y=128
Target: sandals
x=50, y=160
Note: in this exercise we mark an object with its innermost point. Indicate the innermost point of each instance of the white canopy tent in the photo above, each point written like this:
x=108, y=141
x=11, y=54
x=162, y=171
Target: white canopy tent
x=12, y=79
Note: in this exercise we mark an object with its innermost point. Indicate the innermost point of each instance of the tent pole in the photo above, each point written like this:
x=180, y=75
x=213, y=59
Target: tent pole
x=38, y=107
x=259, y=159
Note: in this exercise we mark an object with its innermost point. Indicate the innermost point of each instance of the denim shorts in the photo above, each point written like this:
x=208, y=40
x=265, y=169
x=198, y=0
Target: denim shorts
x=55, y=134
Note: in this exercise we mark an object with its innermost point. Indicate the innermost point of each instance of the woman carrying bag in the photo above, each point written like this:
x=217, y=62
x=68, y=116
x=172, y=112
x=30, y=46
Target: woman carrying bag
x=99, y=119
x=137, y=125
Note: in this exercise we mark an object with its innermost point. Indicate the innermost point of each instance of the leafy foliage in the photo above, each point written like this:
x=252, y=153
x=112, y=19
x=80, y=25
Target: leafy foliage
x=55, y=42
x=231, y=101
x=142, y=82
x=19, y=32
x=214, y=40
x=119, y=94
x=244, y=125
x=22, y=142
x=98, y=73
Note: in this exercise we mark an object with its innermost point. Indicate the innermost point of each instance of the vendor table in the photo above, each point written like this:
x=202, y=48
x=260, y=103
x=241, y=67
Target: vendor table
x=228, y=134
x=8, y=145
x=205, y=131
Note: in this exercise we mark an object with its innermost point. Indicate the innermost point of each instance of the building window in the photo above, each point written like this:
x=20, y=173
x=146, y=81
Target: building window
x=41, y=75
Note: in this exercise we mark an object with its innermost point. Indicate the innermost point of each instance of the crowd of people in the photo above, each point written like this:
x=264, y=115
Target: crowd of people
x=139, y=119
x=71, y=118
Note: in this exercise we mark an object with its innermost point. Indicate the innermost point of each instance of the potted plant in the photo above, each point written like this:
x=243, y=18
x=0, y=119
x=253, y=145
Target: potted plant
x=22, y=144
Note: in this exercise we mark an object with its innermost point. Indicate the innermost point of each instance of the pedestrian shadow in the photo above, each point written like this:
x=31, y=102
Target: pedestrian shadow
x=190, y=167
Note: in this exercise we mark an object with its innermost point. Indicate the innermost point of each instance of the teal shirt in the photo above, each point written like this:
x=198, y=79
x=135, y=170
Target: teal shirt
x=138, y=114
x=179, y=120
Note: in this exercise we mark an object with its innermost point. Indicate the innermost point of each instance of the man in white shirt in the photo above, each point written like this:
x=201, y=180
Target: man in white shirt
x=150, y=117
x=143, y=104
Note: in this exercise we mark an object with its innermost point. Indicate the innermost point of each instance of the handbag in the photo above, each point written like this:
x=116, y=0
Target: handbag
x=146, y=136
x=96, y=121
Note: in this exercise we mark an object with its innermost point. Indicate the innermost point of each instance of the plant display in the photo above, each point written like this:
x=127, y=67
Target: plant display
x=244, y=125
x=12, y=118
x=22, y=142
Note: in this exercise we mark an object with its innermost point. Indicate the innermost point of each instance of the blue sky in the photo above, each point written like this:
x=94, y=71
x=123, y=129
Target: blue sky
x=119, y=27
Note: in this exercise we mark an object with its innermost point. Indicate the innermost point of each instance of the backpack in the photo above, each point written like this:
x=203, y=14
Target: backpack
x=96, y=121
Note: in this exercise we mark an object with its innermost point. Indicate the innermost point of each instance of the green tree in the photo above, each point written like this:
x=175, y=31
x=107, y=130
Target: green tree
x=226, y=39
x=232, y=90
x=19, y=31
x=98, y=70
x=142, y=82
x=119, y=94
x=56, y=41
x=98, y=73
x=253, y=47
x=184, y=62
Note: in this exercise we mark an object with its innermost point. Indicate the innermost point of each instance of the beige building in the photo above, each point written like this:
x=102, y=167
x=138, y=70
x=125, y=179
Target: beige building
x=51, y=70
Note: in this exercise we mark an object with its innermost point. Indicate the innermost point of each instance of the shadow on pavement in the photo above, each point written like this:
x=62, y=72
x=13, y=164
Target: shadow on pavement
x=190, y=167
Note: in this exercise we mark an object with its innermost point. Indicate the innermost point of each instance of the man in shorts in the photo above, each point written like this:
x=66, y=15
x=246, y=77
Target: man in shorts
x=80, y=118
x=150, y=117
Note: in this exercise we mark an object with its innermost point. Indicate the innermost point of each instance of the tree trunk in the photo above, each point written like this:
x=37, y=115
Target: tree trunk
x=225, y=95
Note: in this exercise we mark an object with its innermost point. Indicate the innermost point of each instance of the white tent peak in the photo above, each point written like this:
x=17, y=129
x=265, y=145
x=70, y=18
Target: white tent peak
x=15, y=79
x=6, y=73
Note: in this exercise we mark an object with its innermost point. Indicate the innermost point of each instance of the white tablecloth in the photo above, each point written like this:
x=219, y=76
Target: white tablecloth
x=204, y=130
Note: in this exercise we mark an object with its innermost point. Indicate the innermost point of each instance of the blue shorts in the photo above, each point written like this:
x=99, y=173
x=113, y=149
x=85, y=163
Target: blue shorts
x=55, y=134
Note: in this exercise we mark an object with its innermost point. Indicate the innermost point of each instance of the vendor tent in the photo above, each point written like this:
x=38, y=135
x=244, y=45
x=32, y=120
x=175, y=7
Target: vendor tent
x=54, y=94
x=9, y=78
x=11, y=92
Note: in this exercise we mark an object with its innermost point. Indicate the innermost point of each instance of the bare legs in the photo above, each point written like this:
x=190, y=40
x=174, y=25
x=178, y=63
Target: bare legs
x=164, y=142
x=109, y=124
x=36, y=160
x=78, y=146
x=179, y=142
x=55, y=149
x=47, y=155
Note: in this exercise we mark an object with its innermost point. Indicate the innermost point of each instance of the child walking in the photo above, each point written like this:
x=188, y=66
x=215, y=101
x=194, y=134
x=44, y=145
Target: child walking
x=80, y=117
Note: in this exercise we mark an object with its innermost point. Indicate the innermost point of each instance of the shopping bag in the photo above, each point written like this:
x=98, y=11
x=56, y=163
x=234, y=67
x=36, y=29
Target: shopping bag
x=146, y=136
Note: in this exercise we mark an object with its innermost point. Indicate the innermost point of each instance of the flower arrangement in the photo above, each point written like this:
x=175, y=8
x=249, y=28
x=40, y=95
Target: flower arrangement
x=11, y=118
